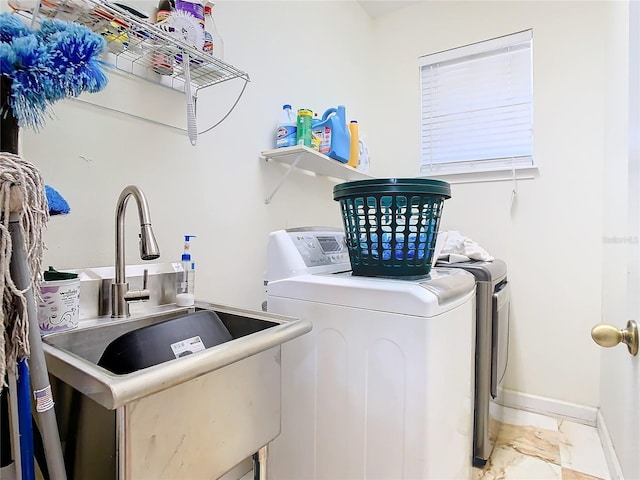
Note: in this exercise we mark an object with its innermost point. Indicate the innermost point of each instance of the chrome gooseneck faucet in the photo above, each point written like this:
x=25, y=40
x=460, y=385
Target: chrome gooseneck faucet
x=120, y=294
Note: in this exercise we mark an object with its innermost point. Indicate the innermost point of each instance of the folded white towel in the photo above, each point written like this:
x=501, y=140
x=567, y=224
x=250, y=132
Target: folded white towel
x=456, y=248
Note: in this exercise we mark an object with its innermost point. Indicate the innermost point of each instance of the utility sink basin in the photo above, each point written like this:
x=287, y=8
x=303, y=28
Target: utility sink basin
x=73, y=356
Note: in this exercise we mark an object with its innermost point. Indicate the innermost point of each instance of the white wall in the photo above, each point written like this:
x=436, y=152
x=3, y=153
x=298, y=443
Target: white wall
x=320, y=54
x=551, y=237
x=308, y=54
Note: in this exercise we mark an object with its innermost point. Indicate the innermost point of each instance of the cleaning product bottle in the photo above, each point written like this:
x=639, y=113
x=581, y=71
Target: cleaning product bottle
x=303, y=133
x=207, y=46
x=211, y=33
x=363, y=162
x=185, y=287
x=287, y=128
x=162, y=60
x=354, y=149
x=335, y=134
x=164, y=10
x=317, y=134
x=192, y=7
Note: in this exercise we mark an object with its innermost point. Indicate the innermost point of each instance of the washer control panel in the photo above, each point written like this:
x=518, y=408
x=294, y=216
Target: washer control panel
x=320, y=248
x=306, y=250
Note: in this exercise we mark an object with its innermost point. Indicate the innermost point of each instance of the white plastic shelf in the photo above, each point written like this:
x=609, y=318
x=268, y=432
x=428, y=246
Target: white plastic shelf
x=305, y=158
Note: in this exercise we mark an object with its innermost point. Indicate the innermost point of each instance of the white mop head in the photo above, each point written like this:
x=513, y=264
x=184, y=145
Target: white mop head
x=22, y=194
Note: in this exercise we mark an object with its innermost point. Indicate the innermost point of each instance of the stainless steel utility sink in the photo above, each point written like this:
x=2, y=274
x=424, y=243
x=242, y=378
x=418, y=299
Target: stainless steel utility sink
x=73, y=356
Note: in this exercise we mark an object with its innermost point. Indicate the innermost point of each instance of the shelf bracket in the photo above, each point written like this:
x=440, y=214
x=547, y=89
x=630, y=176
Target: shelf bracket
x=293, y=165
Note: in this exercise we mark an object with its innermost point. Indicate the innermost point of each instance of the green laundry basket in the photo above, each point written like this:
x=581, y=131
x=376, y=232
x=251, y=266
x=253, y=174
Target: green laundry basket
x=391, y=224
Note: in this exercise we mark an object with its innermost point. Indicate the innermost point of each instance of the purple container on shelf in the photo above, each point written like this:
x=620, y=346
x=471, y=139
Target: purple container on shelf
x=194, y=8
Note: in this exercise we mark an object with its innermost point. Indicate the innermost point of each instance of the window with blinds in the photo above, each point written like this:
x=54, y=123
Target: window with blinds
x=477, y=112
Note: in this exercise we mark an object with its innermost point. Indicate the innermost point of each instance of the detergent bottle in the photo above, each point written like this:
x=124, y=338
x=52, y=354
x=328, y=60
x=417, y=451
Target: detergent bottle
x=354, y=149
x=333, y=133
x=287, y=129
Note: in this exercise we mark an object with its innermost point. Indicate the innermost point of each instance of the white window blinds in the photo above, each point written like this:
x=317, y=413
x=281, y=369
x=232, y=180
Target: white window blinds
x=477, y=110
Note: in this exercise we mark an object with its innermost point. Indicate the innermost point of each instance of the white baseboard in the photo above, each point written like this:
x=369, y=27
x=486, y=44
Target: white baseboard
x=609, y=453
x=549, y=407
x=567, y=411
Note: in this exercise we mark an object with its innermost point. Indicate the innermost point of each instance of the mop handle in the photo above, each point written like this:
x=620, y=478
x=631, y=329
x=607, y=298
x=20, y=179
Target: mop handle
x=37, y=363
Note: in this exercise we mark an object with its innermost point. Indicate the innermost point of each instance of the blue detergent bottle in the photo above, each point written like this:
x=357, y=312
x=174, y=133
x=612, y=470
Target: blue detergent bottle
x=334, y=134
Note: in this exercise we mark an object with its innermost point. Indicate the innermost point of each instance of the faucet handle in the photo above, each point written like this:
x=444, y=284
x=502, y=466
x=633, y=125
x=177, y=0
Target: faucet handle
x=138, y=295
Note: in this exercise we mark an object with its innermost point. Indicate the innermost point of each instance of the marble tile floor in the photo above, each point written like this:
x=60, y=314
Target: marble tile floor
x=535, y=447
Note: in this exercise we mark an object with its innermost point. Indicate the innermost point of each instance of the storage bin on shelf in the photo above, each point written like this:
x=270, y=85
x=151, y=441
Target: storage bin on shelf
x=391, y=224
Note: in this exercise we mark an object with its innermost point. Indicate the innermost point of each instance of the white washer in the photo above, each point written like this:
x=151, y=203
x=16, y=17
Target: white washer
x=382, y=387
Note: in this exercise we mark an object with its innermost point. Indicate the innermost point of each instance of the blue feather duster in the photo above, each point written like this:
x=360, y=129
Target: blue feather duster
x=58, y=60
x=12, y=27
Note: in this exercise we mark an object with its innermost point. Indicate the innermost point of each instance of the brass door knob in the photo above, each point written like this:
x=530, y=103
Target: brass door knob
x=609, y=336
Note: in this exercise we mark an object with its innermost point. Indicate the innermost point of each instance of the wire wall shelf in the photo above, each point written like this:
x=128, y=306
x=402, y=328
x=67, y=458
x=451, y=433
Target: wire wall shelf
x=134, y=43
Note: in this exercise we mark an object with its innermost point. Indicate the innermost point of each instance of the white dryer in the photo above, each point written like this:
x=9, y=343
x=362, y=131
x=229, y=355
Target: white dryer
x=382, y=387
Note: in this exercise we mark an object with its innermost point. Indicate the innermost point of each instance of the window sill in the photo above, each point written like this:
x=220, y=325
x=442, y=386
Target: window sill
x=521, y=173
